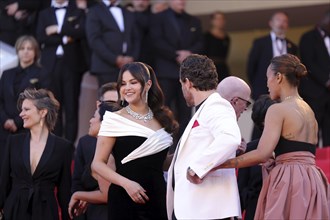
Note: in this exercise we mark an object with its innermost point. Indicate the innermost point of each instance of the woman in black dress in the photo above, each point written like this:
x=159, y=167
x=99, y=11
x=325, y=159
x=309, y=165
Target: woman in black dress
x=13, y=82
x=217, y=44
x=138, y=136
x=35, y=163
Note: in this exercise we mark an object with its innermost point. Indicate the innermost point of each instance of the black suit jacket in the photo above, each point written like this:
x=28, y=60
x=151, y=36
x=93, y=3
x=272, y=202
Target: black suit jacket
x=24, y=195
x=315, y=56
x=11, y=28
x=106, y=40
x=82, y=179
x=167, y=39
x=73, y=26
x=259, y=59
x=8, y=97
x=249, y=182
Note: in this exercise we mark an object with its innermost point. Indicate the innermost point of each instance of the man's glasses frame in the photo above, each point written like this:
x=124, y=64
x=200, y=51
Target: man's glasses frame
x=248, y=103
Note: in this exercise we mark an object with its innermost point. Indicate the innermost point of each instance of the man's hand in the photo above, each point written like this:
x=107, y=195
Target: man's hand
x=20, y=15
x=122, y=60
x=10, y=125
x=181, y=55
x=327, y=84
x=192, y=177
x=241, y=148
x=12, y=8
x=52, y=29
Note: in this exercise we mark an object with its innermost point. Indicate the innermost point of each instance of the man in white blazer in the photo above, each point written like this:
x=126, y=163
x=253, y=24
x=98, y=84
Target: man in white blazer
x=211, y=137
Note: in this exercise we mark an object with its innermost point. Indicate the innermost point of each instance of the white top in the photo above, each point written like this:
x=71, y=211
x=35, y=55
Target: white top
x=60, y=14
x=119, y=18
x=326, y=40
x=114, y=125
x=279, y=46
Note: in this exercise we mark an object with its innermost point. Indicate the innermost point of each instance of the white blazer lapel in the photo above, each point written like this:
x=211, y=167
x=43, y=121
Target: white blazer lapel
x=188, y=128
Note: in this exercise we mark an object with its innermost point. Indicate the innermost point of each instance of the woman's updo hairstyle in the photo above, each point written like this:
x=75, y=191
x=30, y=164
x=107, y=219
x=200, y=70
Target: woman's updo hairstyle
x=290, y=66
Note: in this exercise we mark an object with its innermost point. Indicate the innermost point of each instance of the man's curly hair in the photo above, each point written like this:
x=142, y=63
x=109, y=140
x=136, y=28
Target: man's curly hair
x=201, y=71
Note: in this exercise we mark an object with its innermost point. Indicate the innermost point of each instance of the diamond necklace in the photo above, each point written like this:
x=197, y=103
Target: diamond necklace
x=147, y=117
x=291, y=96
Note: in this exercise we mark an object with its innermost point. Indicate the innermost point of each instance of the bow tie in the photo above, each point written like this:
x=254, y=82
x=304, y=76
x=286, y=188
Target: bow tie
x=58, y=8
x=325, y=34
x=112, y=5
x=281, y=39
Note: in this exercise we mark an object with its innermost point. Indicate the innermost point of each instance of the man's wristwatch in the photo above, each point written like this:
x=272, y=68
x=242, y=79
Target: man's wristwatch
x=191, y=172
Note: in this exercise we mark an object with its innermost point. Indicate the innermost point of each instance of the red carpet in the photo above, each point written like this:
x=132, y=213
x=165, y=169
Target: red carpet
x=323, y=160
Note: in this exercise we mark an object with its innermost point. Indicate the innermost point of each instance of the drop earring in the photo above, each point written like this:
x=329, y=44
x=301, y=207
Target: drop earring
x=147, y=96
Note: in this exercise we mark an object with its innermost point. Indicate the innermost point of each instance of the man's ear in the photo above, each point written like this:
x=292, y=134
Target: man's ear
x=189, y=83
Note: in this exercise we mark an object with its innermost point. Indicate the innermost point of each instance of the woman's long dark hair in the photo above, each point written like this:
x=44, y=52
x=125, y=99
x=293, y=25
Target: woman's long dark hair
x=142, y=73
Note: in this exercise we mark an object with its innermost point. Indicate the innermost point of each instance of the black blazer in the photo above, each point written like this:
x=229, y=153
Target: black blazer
x=73, y=26
x=8, y=97
x=249, y=182
x=167, y=39
x=11, y=28
x=315, y=56
x=106, y=40
x=26, y=196
x=82, y=179
x=259, y=59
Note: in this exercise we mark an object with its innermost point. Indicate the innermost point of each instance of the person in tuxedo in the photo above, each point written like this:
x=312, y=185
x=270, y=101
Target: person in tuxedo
x=59, y=31
x=211, y=137
x=217, y=44
x=13, y=82
x=89, y=192
x=263, y=50
x=143, y=16
x=249, y=179
x=114, y=39
x=315, y=88
x=17, y=17
x=35, y=163
x=175, y=35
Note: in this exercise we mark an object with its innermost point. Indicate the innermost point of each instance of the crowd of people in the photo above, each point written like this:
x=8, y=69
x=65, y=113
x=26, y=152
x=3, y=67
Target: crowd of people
x=160, y=103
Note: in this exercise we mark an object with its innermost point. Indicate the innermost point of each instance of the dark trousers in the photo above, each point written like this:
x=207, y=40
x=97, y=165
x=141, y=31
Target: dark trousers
x=65, y=85
x=321, y=108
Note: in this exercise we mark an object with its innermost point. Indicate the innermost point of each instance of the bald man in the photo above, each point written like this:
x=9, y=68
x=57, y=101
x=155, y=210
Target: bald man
x=237, y=92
